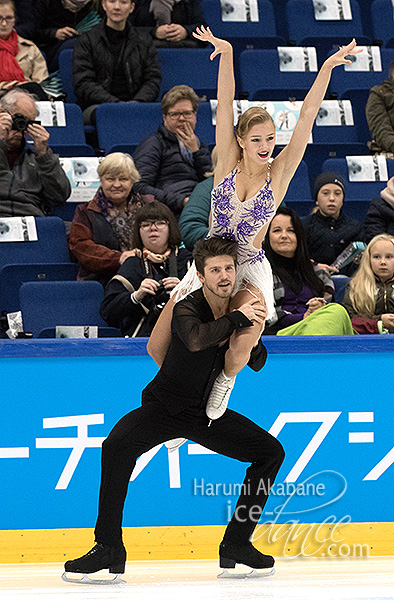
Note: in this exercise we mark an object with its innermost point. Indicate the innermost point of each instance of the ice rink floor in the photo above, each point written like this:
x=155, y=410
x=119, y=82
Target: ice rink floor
x=307, y=578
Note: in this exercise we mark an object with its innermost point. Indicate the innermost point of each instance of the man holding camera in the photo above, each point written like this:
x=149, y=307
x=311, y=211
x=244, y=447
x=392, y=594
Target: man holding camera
x=32, y=181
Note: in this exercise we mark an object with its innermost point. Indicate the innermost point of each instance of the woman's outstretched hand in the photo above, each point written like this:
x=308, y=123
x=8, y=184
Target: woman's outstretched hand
x=339, y=58
x=204, y=34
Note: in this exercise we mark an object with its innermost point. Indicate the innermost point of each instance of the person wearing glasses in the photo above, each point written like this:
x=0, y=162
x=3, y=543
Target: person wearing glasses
x=135, y=297
x=21, y=63
x=173, y=160
x=101, y=231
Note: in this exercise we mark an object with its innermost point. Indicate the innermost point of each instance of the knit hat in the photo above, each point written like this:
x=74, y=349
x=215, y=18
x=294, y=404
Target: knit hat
x=324, y=179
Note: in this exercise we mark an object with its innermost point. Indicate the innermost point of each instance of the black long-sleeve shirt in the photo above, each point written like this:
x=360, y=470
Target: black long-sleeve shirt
x=195, y=356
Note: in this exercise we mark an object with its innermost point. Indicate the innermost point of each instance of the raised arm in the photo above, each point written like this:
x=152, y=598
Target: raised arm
x=288, y=160
x=226, y=144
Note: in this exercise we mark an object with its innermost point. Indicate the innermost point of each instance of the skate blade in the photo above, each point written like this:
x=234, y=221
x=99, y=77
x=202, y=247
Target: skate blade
x=85, y=579
x=254, y=573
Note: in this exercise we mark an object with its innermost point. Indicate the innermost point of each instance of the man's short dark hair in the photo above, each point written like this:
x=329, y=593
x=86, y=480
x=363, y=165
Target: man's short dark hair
x=213, y=246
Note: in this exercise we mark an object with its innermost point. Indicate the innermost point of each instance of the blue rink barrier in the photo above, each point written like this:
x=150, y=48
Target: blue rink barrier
x=327, y=399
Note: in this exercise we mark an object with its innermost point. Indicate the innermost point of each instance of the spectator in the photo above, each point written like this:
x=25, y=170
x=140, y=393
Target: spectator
x=101, y=231
x=194, y=220
x=380, y=216
x=114, y=62
x=136, y=295
x=380, y=116
x=173, y=160
x=170, y=23
x=32, y=181
x=302, y=292
x=327, y=229
x=21, y=62
x=369, y=296
x=59, y=24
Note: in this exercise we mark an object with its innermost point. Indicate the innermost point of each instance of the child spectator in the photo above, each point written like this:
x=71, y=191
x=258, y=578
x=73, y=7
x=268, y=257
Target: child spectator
x=369, y=296
x=328, y=230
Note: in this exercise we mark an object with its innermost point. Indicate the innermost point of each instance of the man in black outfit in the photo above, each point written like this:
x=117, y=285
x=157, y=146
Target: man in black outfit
x=174, y=406
x=113, y=62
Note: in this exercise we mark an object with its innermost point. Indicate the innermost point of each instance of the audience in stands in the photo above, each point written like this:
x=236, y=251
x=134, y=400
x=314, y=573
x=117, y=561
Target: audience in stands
x=135, y=297
x=101, y=231
x=369, y=296
x=194, y=219
x=173, y=160
x=114, y=62
x=380, y=116
x=169, y=22
x=32, y=181
x=26, y=22
x=302, y=291
x=21, y=62
x=59, y=23
x=380, y=216
x=328, y=230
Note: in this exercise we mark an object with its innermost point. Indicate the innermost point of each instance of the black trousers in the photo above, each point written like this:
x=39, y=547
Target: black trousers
x=232, y=435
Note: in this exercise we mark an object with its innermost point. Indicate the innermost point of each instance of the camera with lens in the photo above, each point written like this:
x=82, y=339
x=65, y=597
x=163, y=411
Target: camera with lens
x=21, y=123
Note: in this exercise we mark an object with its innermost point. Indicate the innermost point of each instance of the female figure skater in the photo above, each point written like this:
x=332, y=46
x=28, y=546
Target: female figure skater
x=248, y=187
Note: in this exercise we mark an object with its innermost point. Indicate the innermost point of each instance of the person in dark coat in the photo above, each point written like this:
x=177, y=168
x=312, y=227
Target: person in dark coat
x=329, y=230
x=113, y=62
x=59, y=23
x=380, y=216
x=379, y=111
x=173, y=160
x=135, y=296
x=170, y=26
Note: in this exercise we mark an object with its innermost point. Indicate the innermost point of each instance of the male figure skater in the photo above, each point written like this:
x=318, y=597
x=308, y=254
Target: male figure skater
x=173, y=405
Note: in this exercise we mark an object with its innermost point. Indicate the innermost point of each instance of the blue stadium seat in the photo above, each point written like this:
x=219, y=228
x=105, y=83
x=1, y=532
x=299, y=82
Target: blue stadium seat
x=298, y=195
x=190, y=66
x=121, y=126
x=52, y=303
x=244, y=34
x=262, y=79
x=342, y=81
x=51, y=246
x=70, y=140
x=66, y=73
x=340, y=283
x=205, y=130
x=383, y=22
x=13, y=276
x=305, y=30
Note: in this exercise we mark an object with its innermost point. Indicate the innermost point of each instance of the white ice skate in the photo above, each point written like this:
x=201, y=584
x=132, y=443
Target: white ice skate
x=100, y=557
x=219, y=396
x=85, y=579
x=174, y=444
x=238, y=558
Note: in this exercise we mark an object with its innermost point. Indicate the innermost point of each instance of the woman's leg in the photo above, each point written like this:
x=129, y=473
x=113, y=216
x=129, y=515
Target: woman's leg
x=160, y=337
x=237, y=355
x=243, y=340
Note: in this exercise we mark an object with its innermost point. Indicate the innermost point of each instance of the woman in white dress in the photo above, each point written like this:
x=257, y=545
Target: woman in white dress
x=248, y=187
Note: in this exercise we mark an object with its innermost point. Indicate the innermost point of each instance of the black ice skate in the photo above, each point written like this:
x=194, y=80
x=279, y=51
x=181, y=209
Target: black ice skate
x=98, y=558
x=230, y=554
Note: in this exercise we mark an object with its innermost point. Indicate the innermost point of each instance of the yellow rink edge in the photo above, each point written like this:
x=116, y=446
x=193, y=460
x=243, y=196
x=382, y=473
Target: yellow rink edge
x=201, y=542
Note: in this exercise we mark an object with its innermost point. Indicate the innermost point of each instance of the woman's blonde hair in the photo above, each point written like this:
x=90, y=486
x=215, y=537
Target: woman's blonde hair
x=363, y=285
x=253, y=116
x=118, y=163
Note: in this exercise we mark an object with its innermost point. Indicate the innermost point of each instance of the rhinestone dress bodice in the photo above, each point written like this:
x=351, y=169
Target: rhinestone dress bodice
x=241, y=221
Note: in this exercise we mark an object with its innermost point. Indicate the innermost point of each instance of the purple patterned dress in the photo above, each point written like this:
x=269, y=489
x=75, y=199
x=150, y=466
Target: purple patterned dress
x=241, y=222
